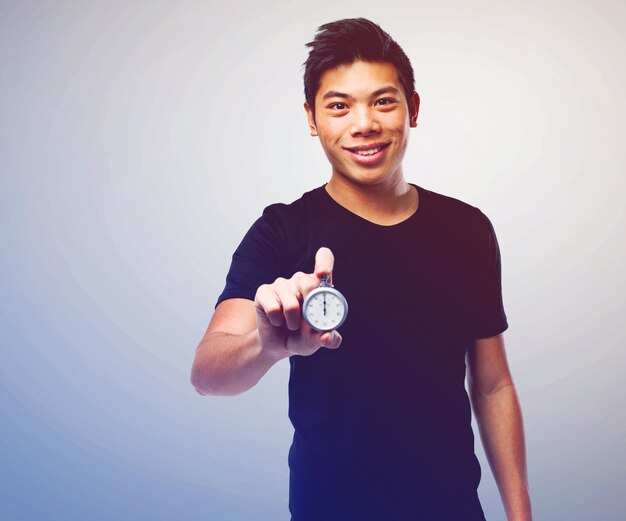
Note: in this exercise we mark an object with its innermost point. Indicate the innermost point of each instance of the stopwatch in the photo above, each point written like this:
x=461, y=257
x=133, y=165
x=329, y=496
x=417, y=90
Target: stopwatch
x=325, y=308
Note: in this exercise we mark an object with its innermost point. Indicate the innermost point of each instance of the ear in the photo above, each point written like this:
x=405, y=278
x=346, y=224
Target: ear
x=311, y=119
x=414, y=108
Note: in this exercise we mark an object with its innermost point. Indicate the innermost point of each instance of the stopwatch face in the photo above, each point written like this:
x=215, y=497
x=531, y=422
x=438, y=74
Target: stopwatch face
x=325, y=309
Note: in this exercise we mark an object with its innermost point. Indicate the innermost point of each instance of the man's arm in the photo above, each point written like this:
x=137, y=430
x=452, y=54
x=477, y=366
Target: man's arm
x=230, y=358
x=245, y=338
x=499, y=417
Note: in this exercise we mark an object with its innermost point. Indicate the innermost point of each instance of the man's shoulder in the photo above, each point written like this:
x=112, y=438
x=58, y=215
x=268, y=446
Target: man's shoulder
x=445, y=204
x=453, y=214
x=297, y=207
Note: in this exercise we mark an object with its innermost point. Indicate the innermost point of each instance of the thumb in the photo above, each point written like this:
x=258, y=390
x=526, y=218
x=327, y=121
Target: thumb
x=324, y=263
x=330, y=339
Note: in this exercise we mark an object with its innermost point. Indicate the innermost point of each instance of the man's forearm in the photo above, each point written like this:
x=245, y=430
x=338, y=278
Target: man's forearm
x=228, y=364
x=499, y=419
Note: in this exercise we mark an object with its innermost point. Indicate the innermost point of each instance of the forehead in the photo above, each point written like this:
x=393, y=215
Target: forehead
x=359, y=79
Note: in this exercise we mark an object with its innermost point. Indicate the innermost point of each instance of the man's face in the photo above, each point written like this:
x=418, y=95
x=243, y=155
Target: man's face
x=362, y=118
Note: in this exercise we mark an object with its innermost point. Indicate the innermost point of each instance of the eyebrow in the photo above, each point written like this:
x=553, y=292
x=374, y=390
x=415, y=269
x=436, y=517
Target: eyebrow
x=384, y=90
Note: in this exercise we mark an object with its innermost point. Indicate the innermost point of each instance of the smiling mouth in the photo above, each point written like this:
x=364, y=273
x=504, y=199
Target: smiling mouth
x=368, y=150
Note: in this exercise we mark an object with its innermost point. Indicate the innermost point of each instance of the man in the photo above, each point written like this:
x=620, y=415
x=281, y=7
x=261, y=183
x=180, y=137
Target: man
x=381, y=416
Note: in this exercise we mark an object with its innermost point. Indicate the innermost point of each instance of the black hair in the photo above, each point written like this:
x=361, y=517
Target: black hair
x=349, y=40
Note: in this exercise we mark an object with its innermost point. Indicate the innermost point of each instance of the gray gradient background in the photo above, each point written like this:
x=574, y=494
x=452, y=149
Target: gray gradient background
x=139, y=141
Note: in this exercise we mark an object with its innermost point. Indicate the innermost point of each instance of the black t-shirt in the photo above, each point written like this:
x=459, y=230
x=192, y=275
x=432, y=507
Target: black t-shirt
x=383, y=423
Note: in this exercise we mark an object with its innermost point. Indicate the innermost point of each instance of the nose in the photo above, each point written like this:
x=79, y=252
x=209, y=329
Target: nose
x=364, y=122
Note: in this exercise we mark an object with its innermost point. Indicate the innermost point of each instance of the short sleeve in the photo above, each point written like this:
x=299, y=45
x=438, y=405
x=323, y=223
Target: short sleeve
x=489, y=317
x=259, y=259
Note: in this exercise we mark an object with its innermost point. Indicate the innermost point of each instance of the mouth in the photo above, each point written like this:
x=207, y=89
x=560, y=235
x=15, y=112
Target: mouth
x=368, y=154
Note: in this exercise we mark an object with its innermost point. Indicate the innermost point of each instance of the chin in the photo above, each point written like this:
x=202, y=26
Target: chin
x=363, y=176
x=369, y=178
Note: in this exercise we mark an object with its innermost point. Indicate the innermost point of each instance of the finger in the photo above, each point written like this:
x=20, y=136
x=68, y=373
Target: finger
x=305, y=283
x=324, y=263
x=288, y=295
x=331, y=339
x=267, y=302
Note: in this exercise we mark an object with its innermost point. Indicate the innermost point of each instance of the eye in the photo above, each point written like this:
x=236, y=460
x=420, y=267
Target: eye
x=338, y=106
x=384, y=101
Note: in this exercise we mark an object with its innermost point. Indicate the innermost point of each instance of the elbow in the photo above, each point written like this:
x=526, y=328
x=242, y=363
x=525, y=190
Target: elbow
x=208, y=385
x=198, y=382
x=203, y=386
x=201, y=374
x=200, y=377
x=484, y=399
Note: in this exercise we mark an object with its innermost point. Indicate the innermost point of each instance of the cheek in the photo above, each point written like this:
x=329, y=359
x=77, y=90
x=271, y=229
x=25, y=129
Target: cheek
x=331, y=134
x=401, y=131
x=394, y=121
x=401, y=127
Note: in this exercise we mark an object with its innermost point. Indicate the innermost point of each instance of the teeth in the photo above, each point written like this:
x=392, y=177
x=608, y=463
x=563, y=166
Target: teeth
x=367, y=152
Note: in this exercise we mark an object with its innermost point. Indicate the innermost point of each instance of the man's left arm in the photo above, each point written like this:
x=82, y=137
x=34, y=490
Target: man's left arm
x=499, y=418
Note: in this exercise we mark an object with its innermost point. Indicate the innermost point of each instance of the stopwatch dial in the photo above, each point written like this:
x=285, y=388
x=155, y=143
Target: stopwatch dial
x=325, y=311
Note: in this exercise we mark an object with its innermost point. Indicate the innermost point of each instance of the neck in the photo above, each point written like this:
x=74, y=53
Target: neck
x=384, y=203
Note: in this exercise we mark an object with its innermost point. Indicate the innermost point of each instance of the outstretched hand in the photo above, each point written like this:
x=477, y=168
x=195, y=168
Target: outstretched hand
x=279, y=311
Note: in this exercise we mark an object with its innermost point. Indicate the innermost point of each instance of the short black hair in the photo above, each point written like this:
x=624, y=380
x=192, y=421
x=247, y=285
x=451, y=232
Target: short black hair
x=349, y=40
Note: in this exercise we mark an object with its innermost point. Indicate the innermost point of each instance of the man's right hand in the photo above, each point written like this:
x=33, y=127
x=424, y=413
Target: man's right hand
x=279, y=311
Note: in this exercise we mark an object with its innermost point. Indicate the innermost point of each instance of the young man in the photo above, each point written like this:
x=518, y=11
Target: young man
x=381, y=416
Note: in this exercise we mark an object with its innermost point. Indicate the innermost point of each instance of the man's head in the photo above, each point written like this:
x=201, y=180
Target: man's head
x=361, y=101
x=350, y=40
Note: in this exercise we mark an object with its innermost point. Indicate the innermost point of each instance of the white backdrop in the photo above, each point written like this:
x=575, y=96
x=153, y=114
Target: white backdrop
x=139, y=141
